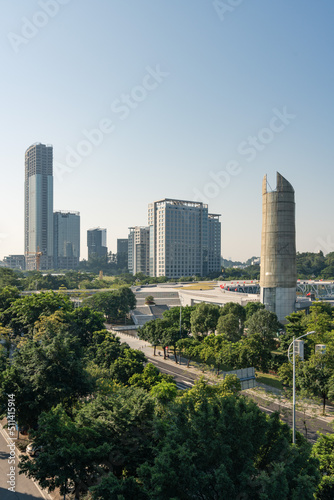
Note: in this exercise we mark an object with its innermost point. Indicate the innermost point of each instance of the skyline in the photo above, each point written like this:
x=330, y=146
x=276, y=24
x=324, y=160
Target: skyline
x=189, y=103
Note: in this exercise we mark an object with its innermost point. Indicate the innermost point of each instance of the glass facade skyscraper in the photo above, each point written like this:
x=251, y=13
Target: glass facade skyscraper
x=66, y=235
x=97, y=243
x=38, y=221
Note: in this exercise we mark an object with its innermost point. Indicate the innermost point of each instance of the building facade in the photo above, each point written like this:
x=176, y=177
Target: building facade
x=214, y=243
x=278, y=276
x=179, y=238
x=66, y=236
x=97, y=242
x=15, y=262
x=122, y=252
x=38, y=193
x=139, y=250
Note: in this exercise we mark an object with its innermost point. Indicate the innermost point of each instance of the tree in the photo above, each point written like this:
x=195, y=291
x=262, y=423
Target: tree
x=320, y=318
x=9, y=277
x=164, y=391
x=83, y=322
x=126, y=366
x=149, y=299
x=152, y=332
x=224, y=447
x=172, y=316
x=204, y=319
x=23, y=313
x=252, y=307
x=253, y=352
x=188, y=347
x=70, y=453
x=106, y=348
x=230, y=325
x=315, y=377
x=266, y=324
x=111, y=488
x=236, y=309
x=115, y=304
x=8, y=295
x=124, y=420
x=43, y=374
x=295, y=327
x=323, y=450
x=150, y=377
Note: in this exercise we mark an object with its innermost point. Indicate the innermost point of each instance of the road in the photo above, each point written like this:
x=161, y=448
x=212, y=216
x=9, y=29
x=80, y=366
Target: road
x=305, y=424
x=25, y=489
x=185, y=378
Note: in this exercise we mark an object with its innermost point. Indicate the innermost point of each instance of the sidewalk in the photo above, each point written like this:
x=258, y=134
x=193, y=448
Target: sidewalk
x=148, y=350
x=267, y=392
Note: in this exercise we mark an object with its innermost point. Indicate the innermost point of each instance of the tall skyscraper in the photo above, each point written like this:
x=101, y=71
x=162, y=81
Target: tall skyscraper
x=179, y=238
x=38, y=223
x=66, y=235
x=97, y=242
x=278, y=277
x=139, y=250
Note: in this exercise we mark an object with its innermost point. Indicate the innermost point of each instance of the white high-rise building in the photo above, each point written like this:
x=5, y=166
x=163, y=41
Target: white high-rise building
x=66, y=235
x=38, y=221
x=138, y=250
x=179, y=239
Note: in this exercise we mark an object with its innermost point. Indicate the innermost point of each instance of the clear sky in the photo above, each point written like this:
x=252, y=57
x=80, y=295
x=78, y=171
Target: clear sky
x=193, y=99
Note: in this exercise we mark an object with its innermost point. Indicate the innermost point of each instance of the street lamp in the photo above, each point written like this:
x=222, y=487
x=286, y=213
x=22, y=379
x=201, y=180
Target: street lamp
x=294, y=384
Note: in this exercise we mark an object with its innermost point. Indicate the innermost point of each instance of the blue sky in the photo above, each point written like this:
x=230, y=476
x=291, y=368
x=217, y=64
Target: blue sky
x=193, y=99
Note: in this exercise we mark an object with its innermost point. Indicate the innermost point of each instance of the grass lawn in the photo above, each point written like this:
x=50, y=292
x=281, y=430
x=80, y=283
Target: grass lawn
x=198, y=286
x=268, y=379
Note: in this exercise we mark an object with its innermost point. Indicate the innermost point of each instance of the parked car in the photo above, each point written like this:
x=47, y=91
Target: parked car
x=33, y=451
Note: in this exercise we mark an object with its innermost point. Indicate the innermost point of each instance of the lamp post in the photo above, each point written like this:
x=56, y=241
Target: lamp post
x=180, y=324
x=294, y=383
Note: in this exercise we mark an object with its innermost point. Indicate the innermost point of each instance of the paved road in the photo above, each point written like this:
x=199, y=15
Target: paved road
x=184, y=379
x=25, y=489
x=307, y=425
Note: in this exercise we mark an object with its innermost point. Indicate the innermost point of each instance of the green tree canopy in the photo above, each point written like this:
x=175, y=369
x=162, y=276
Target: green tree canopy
x=266, y=324
x=204, y=319
x=43, y=374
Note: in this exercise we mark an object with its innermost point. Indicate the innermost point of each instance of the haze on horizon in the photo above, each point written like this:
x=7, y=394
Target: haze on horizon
x=191, y=100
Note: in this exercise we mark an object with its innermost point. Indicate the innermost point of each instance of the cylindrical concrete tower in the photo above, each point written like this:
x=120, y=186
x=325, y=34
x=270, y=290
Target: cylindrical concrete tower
x=278, y=277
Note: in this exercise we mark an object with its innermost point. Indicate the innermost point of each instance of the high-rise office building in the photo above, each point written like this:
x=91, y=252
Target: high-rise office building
x=122, y=245
x=179, y=238
x=66, y=236
x=38, y=222
x=139, y=250
x=97, y=242
x=122, y=252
